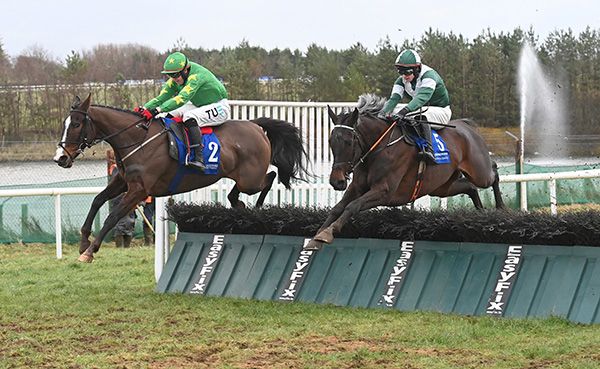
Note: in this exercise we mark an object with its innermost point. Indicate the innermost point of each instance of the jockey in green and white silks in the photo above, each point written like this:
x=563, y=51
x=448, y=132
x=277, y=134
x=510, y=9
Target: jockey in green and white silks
x=426, y=89
x=192, y=94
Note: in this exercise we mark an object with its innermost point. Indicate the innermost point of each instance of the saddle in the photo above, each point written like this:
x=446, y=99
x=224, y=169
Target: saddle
x=410, y=133
x=177, y=151
x=175, y=132
x=413, y=136
x=177, y=138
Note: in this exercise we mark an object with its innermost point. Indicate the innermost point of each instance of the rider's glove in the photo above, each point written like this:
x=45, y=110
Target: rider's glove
x=147, y=114
x=401, y=114
x=384, y=116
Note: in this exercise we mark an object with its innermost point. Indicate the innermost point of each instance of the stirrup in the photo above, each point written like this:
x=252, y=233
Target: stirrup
x=427, y=155
x=197, y=164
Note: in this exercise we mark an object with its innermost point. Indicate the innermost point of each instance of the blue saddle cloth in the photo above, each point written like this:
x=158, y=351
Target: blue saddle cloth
x=440, y=150
x=211, y=150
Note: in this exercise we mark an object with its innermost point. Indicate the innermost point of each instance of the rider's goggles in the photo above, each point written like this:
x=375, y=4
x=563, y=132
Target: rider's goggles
x=407, y=71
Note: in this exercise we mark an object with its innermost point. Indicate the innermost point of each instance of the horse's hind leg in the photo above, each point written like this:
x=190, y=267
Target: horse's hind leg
x=234, y=198
x=496, y=188
x=114, y=188
x=269, y=178
x=460, y=186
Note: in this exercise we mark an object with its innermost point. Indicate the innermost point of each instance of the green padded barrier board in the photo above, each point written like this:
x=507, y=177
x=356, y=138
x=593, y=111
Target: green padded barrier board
x=462, y=278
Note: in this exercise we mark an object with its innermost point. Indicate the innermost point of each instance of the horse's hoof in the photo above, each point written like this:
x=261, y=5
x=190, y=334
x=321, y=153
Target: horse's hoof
x=313, y=245
x=85, y=258
x=324, y=236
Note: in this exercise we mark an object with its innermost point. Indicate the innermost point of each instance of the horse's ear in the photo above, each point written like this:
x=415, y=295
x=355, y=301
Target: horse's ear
x=354, y=116
x=86, y=103
x=332, y=115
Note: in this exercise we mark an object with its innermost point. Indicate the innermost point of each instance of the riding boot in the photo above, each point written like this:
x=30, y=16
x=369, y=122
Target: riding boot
x=195, y=141
x=119, y=240
x=427, y=152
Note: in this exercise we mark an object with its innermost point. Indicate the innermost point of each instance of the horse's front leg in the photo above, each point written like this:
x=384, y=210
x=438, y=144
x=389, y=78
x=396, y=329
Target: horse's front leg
x=372, y=198
x=133, y=196
x=115, y=187
x=351, y=193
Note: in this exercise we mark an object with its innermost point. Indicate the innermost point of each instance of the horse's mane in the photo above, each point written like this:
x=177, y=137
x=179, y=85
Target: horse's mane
x=115, y=108
x=370, y=104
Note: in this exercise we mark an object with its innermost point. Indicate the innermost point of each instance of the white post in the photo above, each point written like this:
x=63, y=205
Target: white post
x=159, y=238
x=444, y=203
x=552, y=185
x=58, y=226
x=524, y=195
x=166, y=243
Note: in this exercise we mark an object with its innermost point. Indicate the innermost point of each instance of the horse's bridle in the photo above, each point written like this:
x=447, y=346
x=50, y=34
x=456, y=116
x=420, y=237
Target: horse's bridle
x=357, y=142
x=85, y=142
x=362, y=153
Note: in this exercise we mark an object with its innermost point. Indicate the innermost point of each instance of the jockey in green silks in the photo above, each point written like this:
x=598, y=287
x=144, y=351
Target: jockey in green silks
x=428, y=93
x=193, y=96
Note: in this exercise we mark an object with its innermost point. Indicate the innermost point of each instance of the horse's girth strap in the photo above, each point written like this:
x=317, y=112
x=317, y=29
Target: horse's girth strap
x=419, y=182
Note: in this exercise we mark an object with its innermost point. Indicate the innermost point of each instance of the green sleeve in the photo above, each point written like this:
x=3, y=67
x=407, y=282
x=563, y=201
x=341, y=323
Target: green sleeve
x=396, y=96
x=391, y=103
x=420, y=99
x=192, y=85
x=166, y=92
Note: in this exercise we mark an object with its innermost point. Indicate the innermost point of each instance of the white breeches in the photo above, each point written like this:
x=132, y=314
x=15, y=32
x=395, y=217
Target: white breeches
x=207, y=115
x=432, y=113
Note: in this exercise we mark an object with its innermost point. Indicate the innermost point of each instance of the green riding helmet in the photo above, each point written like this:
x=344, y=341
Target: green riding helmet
x=408, y=58
x=176, y=62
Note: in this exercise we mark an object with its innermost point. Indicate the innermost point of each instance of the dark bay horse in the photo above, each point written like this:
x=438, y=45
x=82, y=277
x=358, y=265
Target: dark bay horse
x=388, y=174
x=146, y=169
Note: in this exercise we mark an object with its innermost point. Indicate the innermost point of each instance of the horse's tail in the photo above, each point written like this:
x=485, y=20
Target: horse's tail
x=287, y=150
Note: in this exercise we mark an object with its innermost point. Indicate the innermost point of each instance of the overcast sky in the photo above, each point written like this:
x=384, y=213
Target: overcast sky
x=61, y=26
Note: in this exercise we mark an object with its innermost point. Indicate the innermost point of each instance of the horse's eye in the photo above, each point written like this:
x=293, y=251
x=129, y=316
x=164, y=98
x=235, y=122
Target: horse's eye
x=76, y=125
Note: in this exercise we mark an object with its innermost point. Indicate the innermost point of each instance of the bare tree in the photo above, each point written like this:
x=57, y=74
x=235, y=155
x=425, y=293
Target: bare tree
x=111, y=62
x=5, y=66
x=35, y=66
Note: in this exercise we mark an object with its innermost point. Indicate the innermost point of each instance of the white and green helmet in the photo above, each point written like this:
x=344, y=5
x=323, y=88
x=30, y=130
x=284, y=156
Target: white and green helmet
x=176, y=62
x=408, y=58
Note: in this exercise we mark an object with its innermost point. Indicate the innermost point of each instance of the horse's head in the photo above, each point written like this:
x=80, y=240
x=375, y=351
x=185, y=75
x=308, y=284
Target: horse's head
x=345, y=147
x=77, y=134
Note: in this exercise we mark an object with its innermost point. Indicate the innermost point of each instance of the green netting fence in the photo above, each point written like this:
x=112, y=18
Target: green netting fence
x=31, y=218
x=568, y=191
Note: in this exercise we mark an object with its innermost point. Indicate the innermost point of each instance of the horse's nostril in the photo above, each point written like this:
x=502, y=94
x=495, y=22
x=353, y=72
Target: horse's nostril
x=62, y=161
x=338, y=184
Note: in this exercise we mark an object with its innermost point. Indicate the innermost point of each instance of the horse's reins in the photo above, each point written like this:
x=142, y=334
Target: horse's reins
x=84, y=139
x=144, y=144
x=356, y=136
x=362, y=159
x=422, y=162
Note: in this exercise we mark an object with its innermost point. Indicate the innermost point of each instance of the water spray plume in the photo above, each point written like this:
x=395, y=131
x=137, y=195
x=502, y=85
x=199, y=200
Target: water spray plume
x=542, y=109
